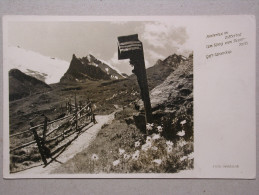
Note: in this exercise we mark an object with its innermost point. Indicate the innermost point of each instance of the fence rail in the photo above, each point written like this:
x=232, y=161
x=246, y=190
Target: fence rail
x=58, y=130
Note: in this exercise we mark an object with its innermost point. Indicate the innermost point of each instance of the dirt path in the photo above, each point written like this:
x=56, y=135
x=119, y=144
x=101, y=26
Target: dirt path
x=78, y=145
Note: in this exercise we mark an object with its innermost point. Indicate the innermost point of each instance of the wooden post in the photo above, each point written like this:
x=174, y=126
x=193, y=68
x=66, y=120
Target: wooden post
x=140, y=71
x=129, y=47
x=70, y=109
x=76, y=113
x=92, y=115
x=37, y=139
x=45, y=127
x=80, y=107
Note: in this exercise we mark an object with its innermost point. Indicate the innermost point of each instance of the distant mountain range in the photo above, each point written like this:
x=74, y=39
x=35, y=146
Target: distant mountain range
x=31, y=71
x=53, y=70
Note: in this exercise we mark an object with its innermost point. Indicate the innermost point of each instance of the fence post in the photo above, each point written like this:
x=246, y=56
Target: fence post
x=45, y=127
x=37, y=139
x=80, y=107
x=70, y=109
x=92, y=114
x=76, y=113
x=93, y=117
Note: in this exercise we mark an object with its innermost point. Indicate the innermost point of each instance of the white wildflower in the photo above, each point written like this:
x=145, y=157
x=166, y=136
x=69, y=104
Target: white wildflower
x=149, y=126
x=155, y=136
x=182, y=143
x=181, y=133
x=169, y=143
x=183, y=158
x=126, y=156
x=149, y=139
x=169, y=149
x=137, y=144
x=116, y=162
x=191, y=156
x=146, y=146
x=157, y=161
x=94, y=157
x=183, y=122
x=121, y=151
x=159, y=129
x=135, y=156
x=154, y=148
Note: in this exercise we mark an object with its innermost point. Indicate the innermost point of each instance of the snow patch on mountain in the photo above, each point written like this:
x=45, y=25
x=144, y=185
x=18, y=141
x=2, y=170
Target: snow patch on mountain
x=47, y=69
x=112, y=67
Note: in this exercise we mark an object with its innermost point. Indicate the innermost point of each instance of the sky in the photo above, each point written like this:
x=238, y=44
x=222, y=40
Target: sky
x=62, y=39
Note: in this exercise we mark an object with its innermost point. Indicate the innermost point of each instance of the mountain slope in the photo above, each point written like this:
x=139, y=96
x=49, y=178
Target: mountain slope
x=44, y=68
x=22, y=85
x=172, y=101
x=176, y=90
x=161, y=70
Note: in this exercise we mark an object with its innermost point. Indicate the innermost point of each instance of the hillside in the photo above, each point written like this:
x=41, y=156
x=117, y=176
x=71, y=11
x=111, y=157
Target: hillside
x=122, y=148
x=173, y=99
x=176, y=90
x=22, y=85
x=161, y=70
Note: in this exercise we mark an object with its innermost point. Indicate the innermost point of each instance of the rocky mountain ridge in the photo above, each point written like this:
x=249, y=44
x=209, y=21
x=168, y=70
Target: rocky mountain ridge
x=176, y=90
x=161, y=70
x=89, y=68
x=104, y=66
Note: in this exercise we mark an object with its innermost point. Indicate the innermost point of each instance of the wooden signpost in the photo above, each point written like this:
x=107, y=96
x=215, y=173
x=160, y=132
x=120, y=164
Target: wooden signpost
x=129, y=47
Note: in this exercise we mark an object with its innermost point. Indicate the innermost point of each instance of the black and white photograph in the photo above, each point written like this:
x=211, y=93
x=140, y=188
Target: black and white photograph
x=129, y=97
x=100, y=97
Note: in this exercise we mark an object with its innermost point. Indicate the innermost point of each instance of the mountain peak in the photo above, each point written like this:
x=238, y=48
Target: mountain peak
x=158, y=62
x=74, y=56
x=82, y=69
x=90, y=68
x=174, y=60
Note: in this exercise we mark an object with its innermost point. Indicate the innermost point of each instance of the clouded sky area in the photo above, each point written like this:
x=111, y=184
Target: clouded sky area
x=63, y=39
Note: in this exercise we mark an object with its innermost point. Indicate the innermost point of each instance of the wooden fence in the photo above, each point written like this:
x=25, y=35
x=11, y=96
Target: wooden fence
x=53, y=136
